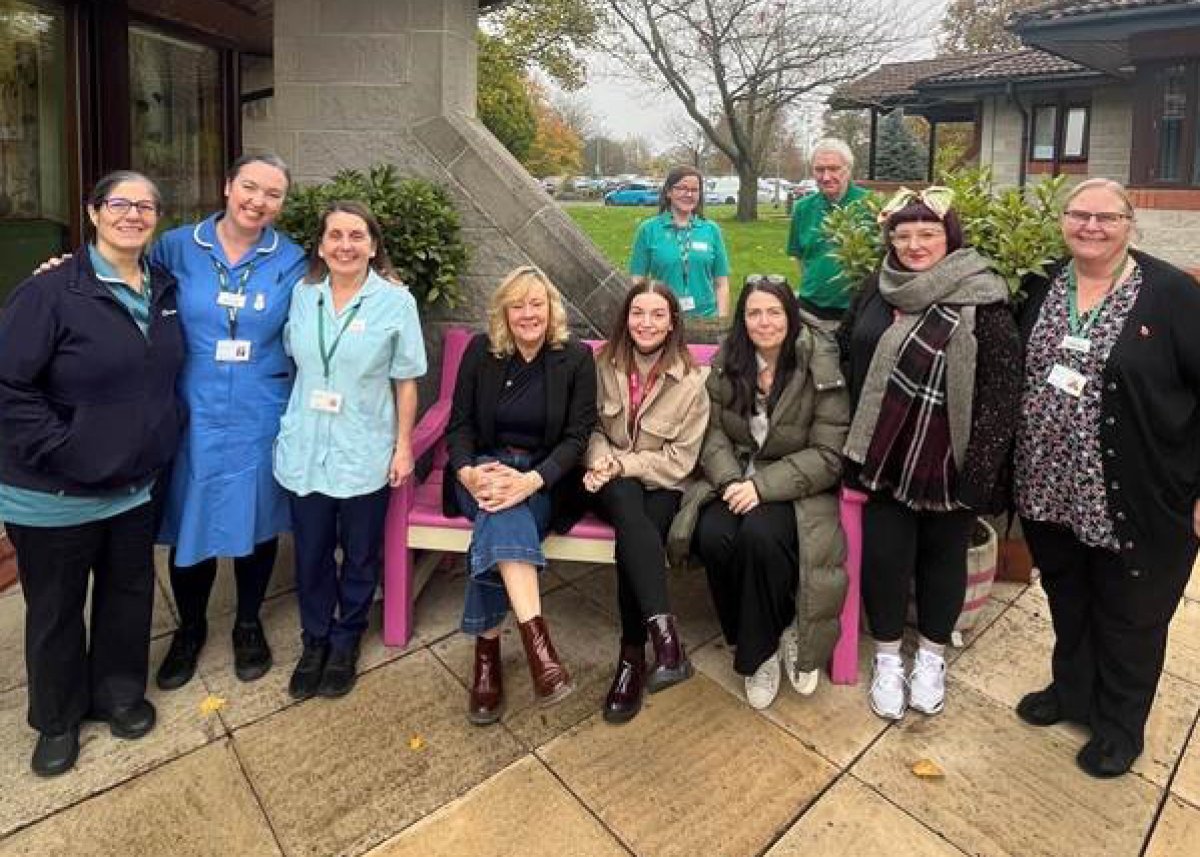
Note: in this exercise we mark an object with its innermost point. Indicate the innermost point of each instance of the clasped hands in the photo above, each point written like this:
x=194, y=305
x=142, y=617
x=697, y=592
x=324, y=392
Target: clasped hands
x=740, y=497
x=497, y=486
x=606, y=468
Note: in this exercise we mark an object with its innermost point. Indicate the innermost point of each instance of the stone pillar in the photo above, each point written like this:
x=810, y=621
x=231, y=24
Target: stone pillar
x=360, y=82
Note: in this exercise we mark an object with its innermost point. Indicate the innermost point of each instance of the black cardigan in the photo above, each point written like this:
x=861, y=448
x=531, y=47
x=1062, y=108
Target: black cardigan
x=570, y=418
x=982, y=482
x=1149, y=418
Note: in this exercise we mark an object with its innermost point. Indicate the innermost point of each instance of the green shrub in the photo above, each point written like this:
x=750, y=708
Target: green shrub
x=420, y=226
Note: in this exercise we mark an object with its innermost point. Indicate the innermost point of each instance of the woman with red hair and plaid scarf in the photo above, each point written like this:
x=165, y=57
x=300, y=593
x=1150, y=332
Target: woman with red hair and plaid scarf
x=932, y=357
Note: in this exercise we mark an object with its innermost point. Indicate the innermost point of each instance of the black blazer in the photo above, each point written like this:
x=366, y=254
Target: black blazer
x=570, y=418
x=1150, y=419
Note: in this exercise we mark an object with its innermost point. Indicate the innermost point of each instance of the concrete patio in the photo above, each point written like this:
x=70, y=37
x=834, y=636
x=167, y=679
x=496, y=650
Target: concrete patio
x=395, y=769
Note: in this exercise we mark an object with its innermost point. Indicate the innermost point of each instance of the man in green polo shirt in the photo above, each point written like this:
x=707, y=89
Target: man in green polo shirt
x=824, y=291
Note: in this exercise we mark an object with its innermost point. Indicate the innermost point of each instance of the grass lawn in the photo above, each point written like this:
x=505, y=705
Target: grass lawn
x=754, y=248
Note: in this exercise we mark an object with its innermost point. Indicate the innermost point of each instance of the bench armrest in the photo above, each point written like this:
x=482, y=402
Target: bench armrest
x=431, y=428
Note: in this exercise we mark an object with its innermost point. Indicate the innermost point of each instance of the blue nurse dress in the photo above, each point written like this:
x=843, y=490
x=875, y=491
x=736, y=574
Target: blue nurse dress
x=222, y=499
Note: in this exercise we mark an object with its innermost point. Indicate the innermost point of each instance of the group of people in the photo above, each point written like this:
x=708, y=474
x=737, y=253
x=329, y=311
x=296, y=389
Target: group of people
x=257, y=391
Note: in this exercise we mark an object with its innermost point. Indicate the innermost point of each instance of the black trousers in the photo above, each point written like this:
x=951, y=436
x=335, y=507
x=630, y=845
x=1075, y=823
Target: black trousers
x=70, y=675
x=752, y=562
x=1110, y=631
x=192, y=585
x=641, y=517
x=901, y=545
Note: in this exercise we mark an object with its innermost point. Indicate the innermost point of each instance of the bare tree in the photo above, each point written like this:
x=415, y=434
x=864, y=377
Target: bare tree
x=746, y=61
x=688, y=142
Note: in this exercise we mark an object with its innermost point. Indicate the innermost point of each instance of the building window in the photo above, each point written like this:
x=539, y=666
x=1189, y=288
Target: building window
x=1060, y=132
x=176, y=131
x=1167, y=151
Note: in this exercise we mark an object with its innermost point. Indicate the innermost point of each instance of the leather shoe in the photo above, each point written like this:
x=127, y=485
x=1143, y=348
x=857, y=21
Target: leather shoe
x=341, y=671
x=1041, y=708
x=306, y=677
x=179, y=665
x=1104, y=758
x=551, y=681
x=251, y=654
x=624, y=699
x=55, y=754
x=671, y=664
x=487, y=685
x=128, y=721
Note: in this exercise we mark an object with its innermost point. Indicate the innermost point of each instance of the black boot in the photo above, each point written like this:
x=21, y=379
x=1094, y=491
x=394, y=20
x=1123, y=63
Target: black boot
x=306, y=677
x=251, y=654
x=55, y=754
x=179, y=665
x=341, y=672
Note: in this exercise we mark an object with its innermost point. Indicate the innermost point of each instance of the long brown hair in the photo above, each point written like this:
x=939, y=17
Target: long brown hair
x=620, y=346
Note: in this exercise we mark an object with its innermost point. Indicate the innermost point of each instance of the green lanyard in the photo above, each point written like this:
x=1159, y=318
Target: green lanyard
x=685, y=248
x=223, y=284
x=327, y=356
x=1081, y=326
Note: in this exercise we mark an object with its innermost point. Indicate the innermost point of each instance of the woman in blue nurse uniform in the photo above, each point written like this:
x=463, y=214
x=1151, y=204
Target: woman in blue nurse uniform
x=236, y=275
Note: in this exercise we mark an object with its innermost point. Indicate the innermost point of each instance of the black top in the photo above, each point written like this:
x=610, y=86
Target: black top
x=1150, y=419
x=521, y=408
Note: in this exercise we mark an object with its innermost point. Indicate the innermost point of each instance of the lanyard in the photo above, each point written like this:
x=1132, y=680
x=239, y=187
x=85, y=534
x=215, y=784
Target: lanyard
x=223, y=283
x=685, y=248
x=327, y=356
x=637, y=393
x=1081, y=326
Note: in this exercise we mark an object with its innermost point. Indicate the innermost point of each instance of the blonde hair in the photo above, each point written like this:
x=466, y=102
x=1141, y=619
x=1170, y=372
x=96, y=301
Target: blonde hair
x=513, y=288
x=1100, y=183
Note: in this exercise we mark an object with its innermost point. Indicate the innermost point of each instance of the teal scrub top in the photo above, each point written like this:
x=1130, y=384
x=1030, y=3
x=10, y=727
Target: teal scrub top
x=821, y=280
x=348, y=453
x=659, y=250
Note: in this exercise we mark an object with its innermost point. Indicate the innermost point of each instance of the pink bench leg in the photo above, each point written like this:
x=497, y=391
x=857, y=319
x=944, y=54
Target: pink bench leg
x=844, y=666
x=397, y=570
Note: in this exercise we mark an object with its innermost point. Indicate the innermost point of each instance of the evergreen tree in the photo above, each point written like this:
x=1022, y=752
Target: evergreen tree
x=900, y=156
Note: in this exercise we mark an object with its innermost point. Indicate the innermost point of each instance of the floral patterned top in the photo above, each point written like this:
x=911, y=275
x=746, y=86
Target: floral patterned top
x=1059, y=469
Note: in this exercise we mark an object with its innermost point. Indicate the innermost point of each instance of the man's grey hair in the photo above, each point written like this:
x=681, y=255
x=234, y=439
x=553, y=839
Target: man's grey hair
x=837, y=147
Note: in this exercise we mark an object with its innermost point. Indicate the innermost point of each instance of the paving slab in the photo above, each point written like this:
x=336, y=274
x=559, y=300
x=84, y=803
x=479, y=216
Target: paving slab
x=851, y=819
x=521, y=812
x=104, y=760
x=1186, y=784
x=340, y=776
x=12, y=640
x=197, y=806
x=696, y=773
x=1193, y=588
x=1008, y=789
x=1183, y=642
x=1177, y=830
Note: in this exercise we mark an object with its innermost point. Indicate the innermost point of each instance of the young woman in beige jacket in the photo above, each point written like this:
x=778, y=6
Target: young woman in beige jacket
x=653, y=410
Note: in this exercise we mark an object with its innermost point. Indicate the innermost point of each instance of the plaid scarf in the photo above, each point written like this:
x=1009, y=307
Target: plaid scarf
x=910, y=450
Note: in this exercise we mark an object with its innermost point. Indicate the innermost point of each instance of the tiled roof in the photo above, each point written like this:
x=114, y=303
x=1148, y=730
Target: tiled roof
x=895, y=80
x=1012, y=65
x=1059, y=9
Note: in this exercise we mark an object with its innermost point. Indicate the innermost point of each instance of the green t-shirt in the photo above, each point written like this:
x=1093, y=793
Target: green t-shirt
x=821, y=280
x=659, y=250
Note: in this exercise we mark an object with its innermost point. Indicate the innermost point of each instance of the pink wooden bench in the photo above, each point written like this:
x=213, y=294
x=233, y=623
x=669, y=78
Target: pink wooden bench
x=415, y=522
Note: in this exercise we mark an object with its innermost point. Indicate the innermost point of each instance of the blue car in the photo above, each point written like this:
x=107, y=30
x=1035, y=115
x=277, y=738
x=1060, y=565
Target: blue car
x=633, y=194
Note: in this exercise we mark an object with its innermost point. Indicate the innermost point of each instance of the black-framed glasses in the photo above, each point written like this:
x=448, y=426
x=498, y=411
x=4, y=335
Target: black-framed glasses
x=121, y=206
x=754, y=280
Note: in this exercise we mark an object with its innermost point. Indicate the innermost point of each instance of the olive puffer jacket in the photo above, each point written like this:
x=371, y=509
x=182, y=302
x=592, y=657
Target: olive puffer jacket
x=800, y=461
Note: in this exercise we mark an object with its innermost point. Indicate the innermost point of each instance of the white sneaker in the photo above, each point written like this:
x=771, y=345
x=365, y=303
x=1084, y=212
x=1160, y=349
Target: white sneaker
x=927, y=682
x=887, y=687
x=805, y=682
x=763, y=686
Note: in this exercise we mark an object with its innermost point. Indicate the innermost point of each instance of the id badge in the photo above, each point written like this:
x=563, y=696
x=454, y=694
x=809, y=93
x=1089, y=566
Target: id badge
x=325, y=401
x=1067, y=379
x=687, y=303
x=700, y=246
x=233, y=350
x=233, y=300
x=358, y=326
x=1080, y=344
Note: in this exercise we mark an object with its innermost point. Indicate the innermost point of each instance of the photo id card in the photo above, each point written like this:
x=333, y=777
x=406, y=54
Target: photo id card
x=1080, y=344
x=233, y=350
x=700, y=246
x=325, y=401
x=1067, y=379
x=233, y=300
x=687, y=303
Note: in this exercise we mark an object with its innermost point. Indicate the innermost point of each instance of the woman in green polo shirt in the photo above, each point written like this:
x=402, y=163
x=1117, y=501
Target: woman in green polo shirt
x=684, y=249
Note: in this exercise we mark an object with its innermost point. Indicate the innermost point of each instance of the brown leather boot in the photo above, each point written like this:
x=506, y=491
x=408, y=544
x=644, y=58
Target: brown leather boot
x=551, y=681
x=624, y=698
x=487, y=687
x=671, y=664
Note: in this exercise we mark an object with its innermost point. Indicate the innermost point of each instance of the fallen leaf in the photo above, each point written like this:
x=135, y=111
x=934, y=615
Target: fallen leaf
x=416, y=742
x=211, y=704
x=927, y=769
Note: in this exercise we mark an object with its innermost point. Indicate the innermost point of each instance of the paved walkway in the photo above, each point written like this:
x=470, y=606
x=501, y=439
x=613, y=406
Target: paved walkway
x=239, y=770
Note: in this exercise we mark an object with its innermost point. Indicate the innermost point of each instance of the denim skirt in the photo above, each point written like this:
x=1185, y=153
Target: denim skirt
x=514, y=534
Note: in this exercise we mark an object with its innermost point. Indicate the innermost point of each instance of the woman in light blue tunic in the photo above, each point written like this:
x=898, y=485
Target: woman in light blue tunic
x=236, y=275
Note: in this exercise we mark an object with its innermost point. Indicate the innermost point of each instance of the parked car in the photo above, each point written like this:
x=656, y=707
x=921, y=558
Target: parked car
x=721, y=190
x=634, y=193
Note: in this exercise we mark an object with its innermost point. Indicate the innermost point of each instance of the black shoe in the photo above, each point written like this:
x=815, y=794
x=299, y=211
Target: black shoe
x=128, y=721
x=306, y=677
x=1041, y=708
x=251, y=654
x=341, y=671
x=1103, y=758
x=179, y=665
x=55, y=754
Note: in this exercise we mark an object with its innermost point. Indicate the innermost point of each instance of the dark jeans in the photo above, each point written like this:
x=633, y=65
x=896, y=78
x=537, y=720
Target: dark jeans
x=192, y=585
x=1110, y=631
x=334, y=603
x=900, y=544
x=753, y=566
x=68, y=673
x=641, y=517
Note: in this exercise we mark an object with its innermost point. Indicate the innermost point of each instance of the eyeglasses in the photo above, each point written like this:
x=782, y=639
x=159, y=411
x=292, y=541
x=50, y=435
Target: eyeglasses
x=766, y=280
x=690, y=191
x=1104, y=219
x=120, y=206
x=921, y=237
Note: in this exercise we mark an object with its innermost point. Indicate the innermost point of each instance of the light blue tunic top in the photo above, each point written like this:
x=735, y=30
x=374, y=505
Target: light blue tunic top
x=346, y=454
x=222, y=499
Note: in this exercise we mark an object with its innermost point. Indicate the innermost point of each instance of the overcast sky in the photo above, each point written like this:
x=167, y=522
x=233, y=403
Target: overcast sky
x=624, y=107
